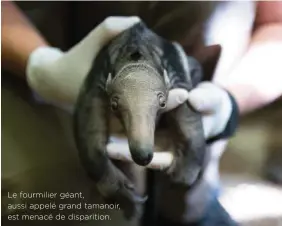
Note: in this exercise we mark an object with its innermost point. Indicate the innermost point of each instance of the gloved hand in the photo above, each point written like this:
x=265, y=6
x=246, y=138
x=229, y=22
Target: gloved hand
x=56, y=76
x=219, y=109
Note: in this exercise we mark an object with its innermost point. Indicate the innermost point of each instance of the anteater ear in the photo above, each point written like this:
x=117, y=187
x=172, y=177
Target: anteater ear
x=108, y=82
x=208, y=57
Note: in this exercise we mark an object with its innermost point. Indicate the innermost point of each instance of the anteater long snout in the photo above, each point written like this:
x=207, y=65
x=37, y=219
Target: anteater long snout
x=140, y=129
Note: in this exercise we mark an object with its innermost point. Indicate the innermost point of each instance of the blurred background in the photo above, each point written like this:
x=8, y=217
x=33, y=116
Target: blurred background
x=251, y=169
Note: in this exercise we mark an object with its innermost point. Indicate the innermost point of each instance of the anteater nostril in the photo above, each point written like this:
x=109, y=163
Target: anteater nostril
x=144, y=159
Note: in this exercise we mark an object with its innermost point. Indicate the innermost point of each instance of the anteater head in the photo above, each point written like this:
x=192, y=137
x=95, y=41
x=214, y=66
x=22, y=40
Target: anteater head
x=137, y=95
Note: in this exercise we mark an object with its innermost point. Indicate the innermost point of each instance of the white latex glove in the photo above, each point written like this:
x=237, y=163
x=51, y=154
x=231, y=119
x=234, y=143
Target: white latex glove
x=215, y=105
x=57, y=76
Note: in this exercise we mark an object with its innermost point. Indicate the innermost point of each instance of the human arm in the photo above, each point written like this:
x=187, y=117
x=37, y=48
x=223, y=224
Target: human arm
x=256, y=80
x=19, y=39
x=46, y=68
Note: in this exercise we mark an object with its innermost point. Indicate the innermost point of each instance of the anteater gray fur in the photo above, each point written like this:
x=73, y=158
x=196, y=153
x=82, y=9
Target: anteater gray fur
x=131, y=77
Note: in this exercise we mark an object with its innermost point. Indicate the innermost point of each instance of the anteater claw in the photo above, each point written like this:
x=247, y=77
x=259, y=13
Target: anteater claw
x=140, y=200
x=129, y=186
x=124, y=193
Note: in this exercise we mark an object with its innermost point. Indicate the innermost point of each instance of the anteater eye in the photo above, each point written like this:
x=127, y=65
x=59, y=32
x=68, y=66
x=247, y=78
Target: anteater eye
x=162, y=100
x=114, y=104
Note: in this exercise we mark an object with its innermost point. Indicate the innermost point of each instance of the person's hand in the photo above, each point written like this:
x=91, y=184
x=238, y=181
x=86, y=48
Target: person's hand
x=56, y=77
x=218, y=108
